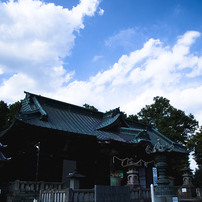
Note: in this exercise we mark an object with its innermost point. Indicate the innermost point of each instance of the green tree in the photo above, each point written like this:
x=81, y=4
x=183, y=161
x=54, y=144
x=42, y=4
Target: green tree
x=3, y=114
x=197, y=181
x=133, y=117
x=7, y=114
x=87, y=106
x=195, y=144
x=13, y=108
x=171, y=122
x=174, y=124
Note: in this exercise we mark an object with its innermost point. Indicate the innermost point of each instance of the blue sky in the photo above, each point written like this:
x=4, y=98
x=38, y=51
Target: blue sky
x=61, y=48
x=117, y=53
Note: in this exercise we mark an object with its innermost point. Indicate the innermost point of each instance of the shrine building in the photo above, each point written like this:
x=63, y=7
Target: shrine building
x=99, y=145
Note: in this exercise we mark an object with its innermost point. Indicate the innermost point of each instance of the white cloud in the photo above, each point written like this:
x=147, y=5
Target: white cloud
x=193, y=164
x=176, y=11
x=33, y=49
x=97, y=57
x=35, y=37
x=123, y=38
x=16, y=85
x=135, y=79
x=188, y=38
x=101, y=11
x=1, y=71
x=39, y=33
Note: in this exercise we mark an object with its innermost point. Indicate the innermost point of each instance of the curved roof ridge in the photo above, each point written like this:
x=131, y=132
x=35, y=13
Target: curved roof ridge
x=44, y=115
x=106, y=122
x=64, y=105
x=111, y=118
x=132, y=129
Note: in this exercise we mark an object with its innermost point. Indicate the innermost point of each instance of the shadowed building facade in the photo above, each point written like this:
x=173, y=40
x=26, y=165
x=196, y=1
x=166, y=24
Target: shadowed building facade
x=71, y=136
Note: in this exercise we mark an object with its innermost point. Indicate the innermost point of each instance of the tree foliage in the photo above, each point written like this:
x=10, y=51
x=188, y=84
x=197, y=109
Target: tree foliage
x=171, y=122
x=197, y=181
x=3, y=114
x=133, y=117
x=196, y=144
x=7, y=114
x=87, y=106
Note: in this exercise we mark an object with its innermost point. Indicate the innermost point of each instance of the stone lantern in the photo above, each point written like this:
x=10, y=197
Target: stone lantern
x=187, y=190
x=133, y=174
x=163, y=192
x=187, y=176
x=75, y=179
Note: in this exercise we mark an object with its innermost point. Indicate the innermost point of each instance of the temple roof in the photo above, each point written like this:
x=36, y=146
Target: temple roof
x=44, y=112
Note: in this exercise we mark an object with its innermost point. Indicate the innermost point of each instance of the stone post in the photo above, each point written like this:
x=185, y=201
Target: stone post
x=17, y=187
x=42, y=185
x=68, y=195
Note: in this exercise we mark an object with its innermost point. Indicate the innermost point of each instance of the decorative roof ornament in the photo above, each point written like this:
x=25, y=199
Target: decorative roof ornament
x=2, y=157
x=75, y=174
x=2, y=146
x=158, y=147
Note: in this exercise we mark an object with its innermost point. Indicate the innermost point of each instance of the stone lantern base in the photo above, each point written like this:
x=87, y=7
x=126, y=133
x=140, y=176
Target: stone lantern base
x=164, y=199
x=187, y=192
x=164, y=191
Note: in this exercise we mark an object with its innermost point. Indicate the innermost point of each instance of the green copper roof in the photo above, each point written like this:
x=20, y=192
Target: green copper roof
x=48, y=113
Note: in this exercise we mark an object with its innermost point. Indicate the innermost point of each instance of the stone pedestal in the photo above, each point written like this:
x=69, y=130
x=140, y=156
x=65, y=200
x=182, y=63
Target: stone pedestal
x=163, y=199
